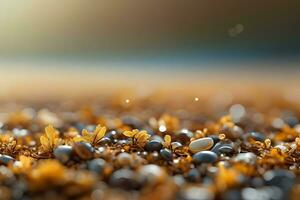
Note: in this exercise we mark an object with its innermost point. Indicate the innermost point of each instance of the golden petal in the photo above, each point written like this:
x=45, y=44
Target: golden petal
x=26, y=161
x=135, y=131
x=167, y=139
x=50, y=132
x=101, y=133
x=85, y=132
x=79, y=139
x=142, y=137
x=140, y=134
x=97, y=129
x=45, y=142
x=128, y=133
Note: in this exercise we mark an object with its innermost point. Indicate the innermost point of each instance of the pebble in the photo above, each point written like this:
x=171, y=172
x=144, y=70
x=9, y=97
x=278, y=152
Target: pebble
x=196, y=193
x=215, y=138
x=151, y=174
x=5, y=159
x=205, y=157
x=133, y=122
x=154, y=145
x=237, y=132
x=193, y=176
x=226, y=149
x=80, y=126
x=201, y=144
x=176, y=145
x=232, y=132
x=257, y=182
x=234, y=194
x=282, y=148
x=84, y=150
x=249, y=158
x=96, y=165
x=154, y=156
x=291, y=120
x=105, y=141
x=124, y=178
x=267, y=192
x=184, y=136
x=166, y=154
x=63, y=153
x=256, y=136
x=90, y=128
x=19, y=132
x=123, y=159
x=281, y=178
x=179, y=180
x=222, y=145
x=157, y=138
x=111, y=134
x=137, y=161
x=124, y=142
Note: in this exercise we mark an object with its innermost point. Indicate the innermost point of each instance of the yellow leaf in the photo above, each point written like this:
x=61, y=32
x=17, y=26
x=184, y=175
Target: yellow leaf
x=167, y=139
x=97, y=129
x=89, y=138
x=58, y=141
x=128, y=133
x=99, y=132
x=138, y=135
x=45, y=142
x=85, y=132
x=26, y=162
x=79, y=139
x=142, y=136
x=142, y=132
x=50, y=132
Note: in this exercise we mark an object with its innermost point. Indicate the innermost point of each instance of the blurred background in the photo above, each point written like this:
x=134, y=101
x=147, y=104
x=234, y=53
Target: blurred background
x=80, y=46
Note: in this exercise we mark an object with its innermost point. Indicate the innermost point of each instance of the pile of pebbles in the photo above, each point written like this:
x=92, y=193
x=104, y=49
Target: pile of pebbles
x=96, y=152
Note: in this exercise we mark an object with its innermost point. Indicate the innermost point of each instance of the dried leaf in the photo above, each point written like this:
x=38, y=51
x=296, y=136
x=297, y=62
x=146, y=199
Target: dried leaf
x=92, y=138
x=26, y=162
x=78, y=139
x=128, y=133
x=99, y=132
x=50, y=139
x=50, y=132
x=45, y=142
x=167, y=140
x=85, y=133
x=143, y=138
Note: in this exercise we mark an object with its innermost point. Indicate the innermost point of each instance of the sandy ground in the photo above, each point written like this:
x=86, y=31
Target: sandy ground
x=52, y=80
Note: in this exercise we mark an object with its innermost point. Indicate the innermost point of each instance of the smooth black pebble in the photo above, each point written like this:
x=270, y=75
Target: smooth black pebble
x=222, y=147
x=84, y=150
x=166, y=154
x=97, y=165
x=281, y=178
x=256, y=136
x=124, y=178
x=63, y=153
x=5, y=159
x=193, y=175
x=154, y=145
x=204, y=157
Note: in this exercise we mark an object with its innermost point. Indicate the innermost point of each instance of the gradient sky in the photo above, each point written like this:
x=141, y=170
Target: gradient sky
x=169, y=29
